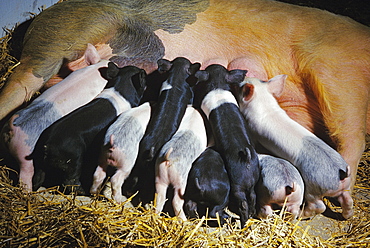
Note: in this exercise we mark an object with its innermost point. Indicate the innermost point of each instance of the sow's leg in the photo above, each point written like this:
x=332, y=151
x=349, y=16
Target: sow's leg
x=19, y=89
x=346, y=116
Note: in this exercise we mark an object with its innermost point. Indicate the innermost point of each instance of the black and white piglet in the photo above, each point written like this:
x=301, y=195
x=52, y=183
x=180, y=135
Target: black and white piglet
x=280, y=183
x=176, y=157
x=208, y=186
x=175, y=94
x=24, y=128
x=324, y=171
x=61, y=147
x=120, y=148
x=229, y=128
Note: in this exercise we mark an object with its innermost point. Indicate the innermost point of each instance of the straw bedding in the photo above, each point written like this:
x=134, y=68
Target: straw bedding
x=51, y=219
x=8, y=62
x=48, y=218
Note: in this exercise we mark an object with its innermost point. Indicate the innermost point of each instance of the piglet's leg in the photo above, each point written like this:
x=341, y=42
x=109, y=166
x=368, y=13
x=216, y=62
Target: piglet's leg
x=72, y=181
x=25, y=174
x=178, y=202
x=98, y=178
x=161, y=189
x=19, y=149
x=346, y=203
x=294, y=210
x=117, y=181
x=312, y=208
x=161, y=184
x=73, y=186
x=265, y=211
x=242, y=206
x=191, y=208
x=219, y=209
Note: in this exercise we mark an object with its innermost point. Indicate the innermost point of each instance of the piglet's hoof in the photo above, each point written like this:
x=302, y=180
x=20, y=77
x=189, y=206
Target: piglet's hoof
x=73, y=189
x=347, y=207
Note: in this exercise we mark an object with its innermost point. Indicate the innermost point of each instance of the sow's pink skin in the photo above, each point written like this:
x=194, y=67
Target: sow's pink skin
x=25, y=126
x=329, y=71
x=324, y=171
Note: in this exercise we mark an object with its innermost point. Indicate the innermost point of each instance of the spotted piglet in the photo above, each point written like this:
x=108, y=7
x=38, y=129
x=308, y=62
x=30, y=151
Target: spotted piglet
x=176, y=157
x=229, y=128
x=323, y=170
x=25, y=126
x=121, y=146
x=280, y=182
x=62, y=146
x=208, y=186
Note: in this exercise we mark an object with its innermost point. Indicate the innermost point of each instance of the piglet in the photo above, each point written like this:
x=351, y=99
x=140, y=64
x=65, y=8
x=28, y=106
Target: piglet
x=208, y=186
x=229, y=128
x=121, y=146
x=176, y=157
x=280, y=182
x=166, y=116
x=323, y=170
x=25, y=126
x=61, y=147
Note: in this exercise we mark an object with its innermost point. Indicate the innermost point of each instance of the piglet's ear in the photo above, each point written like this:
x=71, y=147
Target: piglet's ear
x=194, y=68
x=276, y=85
x=142, y=77
x=248, y=90
x=235, y=76
x=139, y=81
x=91, y=55
x=245, y=154
x=202, y=76
x=164, y=65
x=112, y=70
